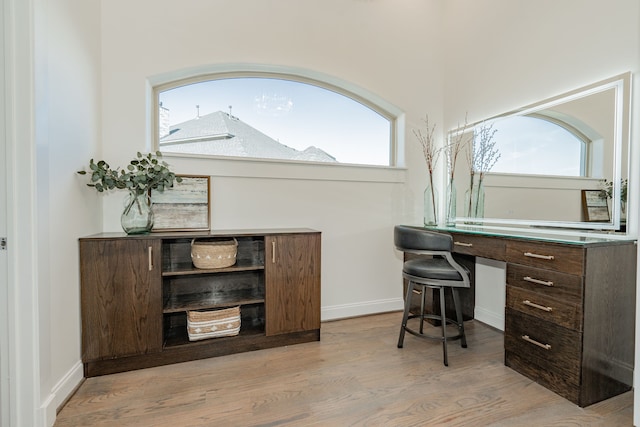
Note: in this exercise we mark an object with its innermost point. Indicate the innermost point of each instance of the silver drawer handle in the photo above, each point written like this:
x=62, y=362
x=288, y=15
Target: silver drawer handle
x=538, y=306
x=538, y=281
x=468, y=245
x=534, y=342
x=531, y=255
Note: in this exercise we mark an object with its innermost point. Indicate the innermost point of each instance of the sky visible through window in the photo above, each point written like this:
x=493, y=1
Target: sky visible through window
x=295, y=114
x=533, y=146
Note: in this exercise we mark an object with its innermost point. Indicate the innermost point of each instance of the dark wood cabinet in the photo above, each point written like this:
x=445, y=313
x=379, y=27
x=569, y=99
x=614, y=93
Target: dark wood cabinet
x=292, y=278
x=136, y=292
x=570, y=317
x=121, y=298
x=570, y=310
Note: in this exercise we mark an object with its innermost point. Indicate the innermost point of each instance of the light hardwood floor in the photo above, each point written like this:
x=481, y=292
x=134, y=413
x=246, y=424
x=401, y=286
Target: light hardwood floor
x=355, y=376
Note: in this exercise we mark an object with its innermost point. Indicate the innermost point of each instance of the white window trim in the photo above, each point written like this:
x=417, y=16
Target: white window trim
x=286, y=169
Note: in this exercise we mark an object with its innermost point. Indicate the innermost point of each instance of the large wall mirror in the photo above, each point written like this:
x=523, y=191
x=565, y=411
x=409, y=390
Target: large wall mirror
x=562, y=162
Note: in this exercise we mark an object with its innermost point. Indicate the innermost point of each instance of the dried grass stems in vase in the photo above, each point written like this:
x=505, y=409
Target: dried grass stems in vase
x=431, y=155
x=481, y=159
x=456, y=145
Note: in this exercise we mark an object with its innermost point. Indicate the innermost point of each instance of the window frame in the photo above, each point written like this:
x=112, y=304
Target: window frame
x=173, y=80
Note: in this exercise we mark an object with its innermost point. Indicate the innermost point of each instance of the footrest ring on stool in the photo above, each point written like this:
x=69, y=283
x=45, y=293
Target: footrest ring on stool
x=433, y=337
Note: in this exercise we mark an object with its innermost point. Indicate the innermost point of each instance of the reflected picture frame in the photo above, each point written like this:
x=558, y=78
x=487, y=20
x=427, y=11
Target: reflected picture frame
x=184, y=207
x=594, y=206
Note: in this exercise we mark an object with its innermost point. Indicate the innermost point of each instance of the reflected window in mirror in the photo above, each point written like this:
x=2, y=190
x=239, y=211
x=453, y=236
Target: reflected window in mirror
x=537, y=146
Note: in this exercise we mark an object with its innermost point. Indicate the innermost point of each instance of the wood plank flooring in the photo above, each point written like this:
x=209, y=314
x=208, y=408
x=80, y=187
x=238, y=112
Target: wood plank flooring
x=355, y=376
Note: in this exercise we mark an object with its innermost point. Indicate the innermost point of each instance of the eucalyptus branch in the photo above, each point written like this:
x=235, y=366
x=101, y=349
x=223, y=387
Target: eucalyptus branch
x=142, y=174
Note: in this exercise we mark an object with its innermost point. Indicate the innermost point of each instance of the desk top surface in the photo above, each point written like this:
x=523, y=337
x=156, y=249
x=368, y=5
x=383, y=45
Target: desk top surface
x=540, y=234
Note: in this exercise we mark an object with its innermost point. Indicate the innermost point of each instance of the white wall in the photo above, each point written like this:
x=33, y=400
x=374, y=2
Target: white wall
x=67, y=135
x=522, y=52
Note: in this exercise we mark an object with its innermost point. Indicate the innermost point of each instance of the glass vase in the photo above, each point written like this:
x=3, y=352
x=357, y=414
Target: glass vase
x=137, y=217
x=474, y=202
x=430, y=206
x=450, y=207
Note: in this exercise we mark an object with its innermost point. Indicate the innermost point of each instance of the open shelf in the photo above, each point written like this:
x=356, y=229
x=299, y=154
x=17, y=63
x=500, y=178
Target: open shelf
x=252, y=325
x=177, y=336
x=187, y=268
x=206, y=300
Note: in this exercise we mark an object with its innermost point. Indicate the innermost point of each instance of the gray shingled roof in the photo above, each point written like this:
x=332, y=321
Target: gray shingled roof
x=225, y=135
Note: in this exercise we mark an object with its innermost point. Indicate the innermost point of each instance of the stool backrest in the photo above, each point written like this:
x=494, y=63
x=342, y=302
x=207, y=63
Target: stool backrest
x=410, y=239
x=419, y=240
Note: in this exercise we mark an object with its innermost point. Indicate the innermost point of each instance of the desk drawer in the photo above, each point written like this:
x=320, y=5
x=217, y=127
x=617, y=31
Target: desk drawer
x=543, y=344
x=562, y=286
x=485, y=247
x=545, y=307
x=552, y=380
x=548, y=256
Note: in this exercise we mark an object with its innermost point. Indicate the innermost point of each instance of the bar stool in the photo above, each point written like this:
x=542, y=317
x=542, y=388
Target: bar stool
x=439, y=271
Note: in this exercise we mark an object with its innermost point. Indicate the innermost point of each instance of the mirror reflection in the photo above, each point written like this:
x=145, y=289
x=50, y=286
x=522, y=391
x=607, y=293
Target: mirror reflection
x=546, y=158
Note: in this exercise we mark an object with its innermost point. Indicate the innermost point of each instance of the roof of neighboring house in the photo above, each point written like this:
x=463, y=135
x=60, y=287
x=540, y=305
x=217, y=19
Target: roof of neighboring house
x=222, y=134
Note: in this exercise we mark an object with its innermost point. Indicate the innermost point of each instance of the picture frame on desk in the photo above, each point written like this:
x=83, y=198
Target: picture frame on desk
x=184, y=207
x=594, y=206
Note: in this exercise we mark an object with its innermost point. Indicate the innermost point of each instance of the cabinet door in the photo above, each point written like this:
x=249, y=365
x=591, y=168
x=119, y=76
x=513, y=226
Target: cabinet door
x=121, y=297
x=292, y=283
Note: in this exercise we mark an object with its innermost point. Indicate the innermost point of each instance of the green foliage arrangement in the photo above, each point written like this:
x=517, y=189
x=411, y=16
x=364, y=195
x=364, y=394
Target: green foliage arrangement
x=144, y=173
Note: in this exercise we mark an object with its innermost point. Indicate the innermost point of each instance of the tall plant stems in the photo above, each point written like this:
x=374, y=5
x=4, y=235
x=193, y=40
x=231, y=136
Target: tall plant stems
x=483, y=157
x=456, y=145
x=472, y=174
x=431, y=154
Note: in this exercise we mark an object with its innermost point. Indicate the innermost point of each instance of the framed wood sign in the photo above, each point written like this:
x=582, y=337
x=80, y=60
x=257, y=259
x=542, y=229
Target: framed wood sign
x=594, y=206
x=185, y=207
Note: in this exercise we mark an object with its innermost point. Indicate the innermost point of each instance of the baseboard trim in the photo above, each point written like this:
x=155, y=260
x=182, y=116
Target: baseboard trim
x=490, y=318
x=61, y=392
x=343, y=311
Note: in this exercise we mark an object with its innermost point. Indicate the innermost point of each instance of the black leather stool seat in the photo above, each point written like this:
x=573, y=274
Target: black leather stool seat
x=435, y=268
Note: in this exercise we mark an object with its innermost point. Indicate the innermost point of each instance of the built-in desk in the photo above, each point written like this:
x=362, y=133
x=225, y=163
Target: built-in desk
x=570, y=308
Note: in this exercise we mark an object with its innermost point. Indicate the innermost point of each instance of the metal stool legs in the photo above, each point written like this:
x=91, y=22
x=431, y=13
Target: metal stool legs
x=456, y=303
x=442, y=318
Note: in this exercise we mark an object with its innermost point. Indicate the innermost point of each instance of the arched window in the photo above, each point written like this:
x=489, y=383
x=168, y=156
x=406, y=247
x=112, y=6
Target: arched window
x=539, y=145
x=272, y=116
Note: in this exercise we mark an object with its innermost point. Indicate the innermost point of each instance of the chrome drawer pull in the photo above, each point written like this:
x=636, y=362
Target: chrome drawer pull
x=530, y=255
x=538, y=281
x=534, y=342
x=468, y=245
x=538, y=306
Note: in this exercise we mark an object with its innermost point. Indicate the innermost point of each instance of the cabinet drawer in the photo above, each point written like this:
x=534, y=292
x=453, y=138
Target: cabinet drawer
x=545, y=307
x=565, y=287
x=543, y=344
x=548, y=256
x=484, y=247
x=552, y=380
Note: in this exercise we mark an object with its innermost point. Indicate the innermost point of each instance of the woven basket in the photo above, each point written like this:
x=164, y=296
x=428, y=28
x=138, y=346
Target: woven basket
x=213, y=324
x=214, y=254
